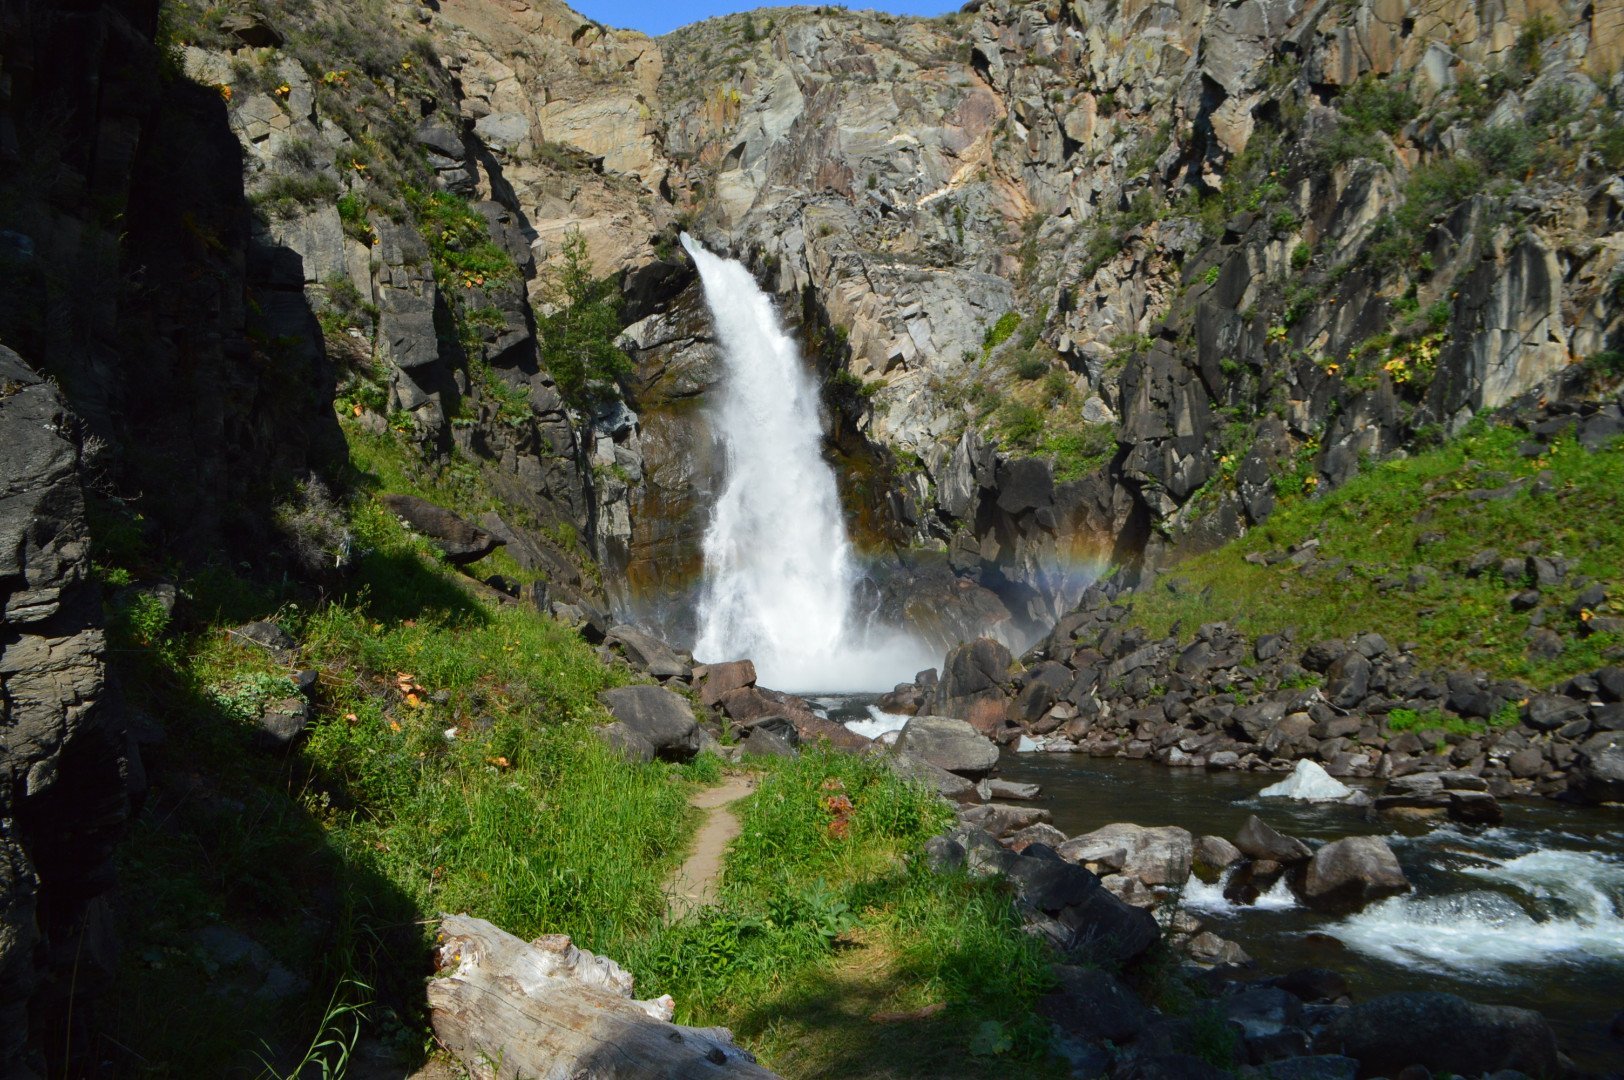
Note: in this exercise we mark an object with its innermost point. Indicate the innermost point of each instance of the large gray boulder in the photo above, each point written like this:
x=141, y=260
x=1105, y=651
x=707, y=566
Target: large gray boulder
x=1349, y=873
x=1598, y=768
x=658, y=716
x=1443, y=1033
x=949, y=744
x=1155, y=856
x=950, y=786
x=647, y=653
x=1257, y=840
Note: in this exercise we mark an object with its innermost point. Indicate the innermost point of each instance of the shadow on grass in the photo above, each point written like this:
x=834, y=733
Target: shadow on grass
x=867, y=1013
x=394, y=586
x=239, y=914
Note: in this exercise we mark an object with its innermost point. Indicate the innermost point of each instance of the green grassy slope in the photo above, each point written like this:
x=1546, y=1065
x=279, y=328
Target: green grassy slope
x=1394, y=545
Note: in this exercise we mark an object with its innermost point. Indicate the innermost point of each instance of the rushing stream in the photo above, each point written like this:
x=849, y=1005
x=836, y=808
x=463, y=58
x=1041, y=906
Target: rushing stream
x=1530, y=913
x=779, y=569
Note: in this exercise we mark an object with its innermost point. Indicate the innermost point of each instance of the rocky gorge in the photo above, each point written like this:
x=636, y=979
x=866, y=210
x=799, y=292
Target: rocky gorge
x=1118, y=314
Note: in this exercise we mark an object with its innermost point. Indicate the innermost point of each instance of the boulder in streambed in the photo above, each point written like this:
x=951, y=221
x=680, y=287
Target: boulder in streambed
x=1347, y=874
x=1598, y=768
x=1308, y=782
x=1443, y=1033
x=1000, y=820
x=658, y=716
x=948, y=744
x=1153, y=856
x=1258, y=841
x=1211, y=856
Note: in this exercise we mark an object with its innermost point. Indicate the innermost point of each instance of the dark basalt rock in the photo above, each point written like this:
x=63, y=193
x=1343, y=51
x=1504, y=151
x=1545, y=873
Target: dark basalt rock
x=461, y=541
x=1443, y=1033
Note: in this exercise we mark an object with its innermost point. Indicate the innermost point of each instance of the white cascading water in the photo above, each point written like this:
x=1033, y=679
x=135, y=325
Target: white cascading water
x=779, y=568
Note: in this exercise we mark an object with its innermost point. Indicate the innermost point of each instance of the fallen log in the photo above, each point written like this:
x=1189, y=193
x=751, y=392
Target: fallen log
x=546, y=1010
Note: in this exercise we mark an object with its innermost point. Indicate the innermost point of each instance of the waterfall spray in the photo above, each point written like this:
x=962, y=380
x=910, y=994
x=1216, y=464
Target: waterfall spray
x=779, y=568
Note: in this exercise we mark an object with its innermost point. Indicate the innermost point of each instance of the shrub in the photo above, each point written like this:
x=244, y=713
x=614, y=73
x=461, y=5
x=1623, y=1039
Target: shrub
x=1301, y=256
x=1019, y=424
x=1000, y=331
x=1505, y=149
x=1029, y=368
x=1526, y=54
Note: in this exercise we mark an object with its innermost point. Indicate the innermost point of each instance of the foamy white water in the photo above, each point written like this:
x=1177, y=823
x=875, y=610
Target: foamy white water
x=1546, y=908
x=779, y=570
x=878, y=724
x=1198, y=895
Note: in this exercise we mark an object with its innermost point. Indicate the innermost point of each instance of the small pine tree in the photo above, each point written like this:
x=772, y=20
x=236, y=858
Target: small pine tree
x=578, y=339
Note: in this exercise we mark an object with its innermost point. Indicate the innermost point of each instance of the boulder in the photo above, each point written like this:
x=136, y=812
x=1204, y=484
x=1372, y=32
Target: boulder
x=1598, y=768
x=999, y=820
x=1041, y=833
x=1308, y=782
x=720, y=679
x=461, y=541
x=1442, y=1033
x=949, y=744
x=626, y=742
x=1102, y=927
x=267, y=635
x=1347, y=874
x=973, y=685
x=1211, y=855
x=646, y=653
x=1090, y=1004
x=1009, y=789
x=282, y=722
x=1153, y=856
x=659, y=716
x=950, y=786
x=1258, y=841
x=763, y=740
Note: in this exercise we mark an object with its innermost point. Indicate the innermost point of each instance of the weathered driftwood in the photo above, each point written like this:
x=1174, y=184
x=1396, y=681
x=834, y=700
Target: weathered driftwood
x=545, y=1010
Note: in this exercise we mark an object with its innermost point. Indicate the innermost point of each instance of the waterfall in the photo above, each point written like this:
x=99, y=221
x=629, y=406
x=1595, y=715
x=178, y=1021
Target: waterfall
x=779, y=568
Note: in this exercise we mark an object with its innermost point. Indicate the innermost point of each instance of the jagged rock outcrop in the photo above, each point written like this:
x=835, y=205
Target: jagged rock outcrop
x=67, y=766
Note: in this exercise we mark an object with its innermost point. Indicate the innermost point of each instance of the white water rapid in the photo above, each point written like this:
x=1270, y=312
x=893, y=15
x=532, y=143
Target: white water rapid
x=779, y=567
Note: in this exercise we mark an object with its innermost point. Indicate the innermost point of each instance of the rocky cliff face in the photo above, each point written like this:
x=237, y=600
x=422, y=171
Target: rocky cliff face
x=1182, y=254
x=66, y=770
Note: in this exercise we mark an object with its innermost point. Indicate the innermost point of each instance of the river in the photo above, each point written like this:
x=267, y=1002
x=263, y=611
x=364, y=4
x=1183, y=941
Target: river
x=1529, y=913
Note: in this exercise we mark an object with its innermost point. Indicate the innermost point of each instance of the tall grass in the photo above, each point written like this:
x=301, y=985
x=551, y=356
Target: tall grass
x=827, y=916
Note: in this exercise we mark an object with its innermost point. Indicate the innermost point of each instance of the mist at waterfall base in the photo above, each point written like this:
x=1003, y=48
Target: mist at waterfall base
x=780, y=575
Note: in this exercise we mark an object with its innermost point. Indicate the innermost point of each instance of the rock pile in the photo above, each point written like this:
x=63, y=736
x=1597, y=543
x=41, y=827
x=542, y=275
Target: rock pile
x=1099, y=685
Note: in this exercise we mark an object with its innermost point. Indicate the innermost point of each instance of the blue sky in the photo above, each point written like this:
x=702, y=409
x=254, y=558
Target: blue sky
x=655, y=17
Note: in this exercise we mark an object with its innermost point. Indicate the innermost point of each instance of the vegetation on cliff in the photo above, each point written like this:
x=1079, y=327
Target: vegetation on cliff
x=1438, y=549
